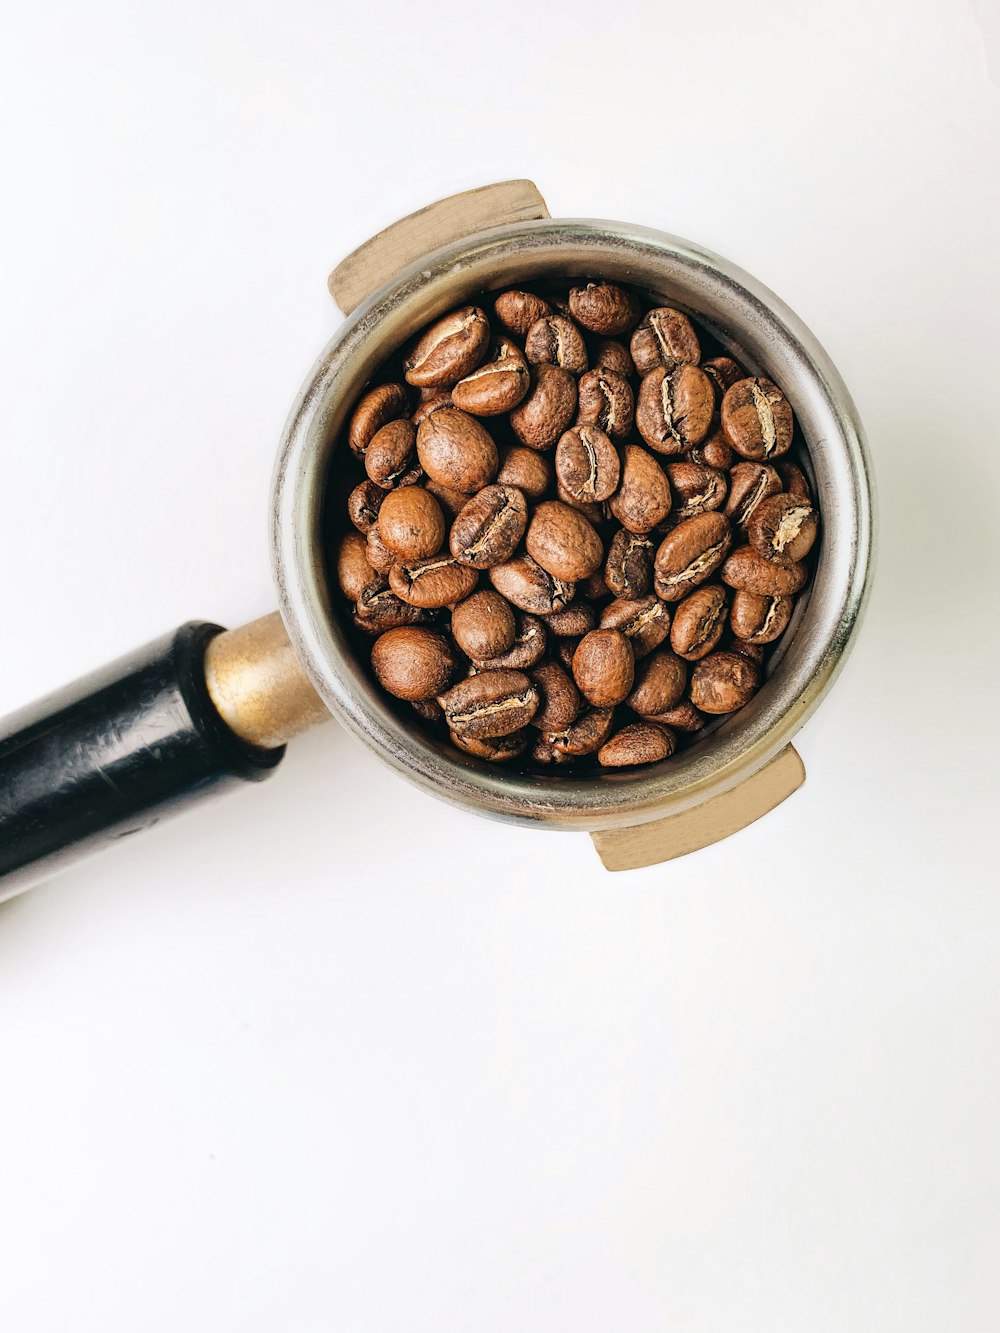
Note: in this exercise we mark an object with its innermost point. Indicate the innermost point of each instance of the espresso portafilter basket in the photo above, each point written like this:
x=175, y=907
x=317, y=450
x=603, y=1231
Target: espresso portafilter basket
x=204, y=708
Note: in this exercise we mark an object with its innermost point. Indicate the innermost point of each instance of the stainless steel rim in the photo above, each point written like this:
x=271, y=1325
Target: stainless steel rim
x=747, y=318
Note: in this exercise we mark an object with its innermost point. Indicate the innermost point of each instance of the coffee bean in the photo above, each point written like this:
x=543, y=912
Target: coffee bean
x=723, y=371
x=437, y=581
x=682, y=717
x=675, y=407
x=526, y=469
x=628, y=571
x=690, y=554
x=494, y=749
x=560, y=698
x=363, y=505
x=592, y=510
x=614, y=356
x=555, y=340
x=753, y=652
x=645, y=622
x=759, y=619
x=548, y=408
x=638, y=743
x=723, y=682
x=384, y=403
x=660, y=680
x=488, y=529
x=529, y=587
x=747, y=570
x=604, y=667
x=483, y=625
x=572, y=621
x=390, y=453
x=413, y=663
x=757, y=419
x=429, y=709
x=696, y=489
x=456, y=451
x=587, y=734
x=451, y=501
x=411, y=524
x=379, y=609
x=712, y=452
x=491, y=703
x=749, y=484
x=355, y=572
x=379, y=555
x=603, y=307
x=783, y=529
x=528, y=647
x=643, y=496
x=594, y=589
x=562, y=541
x=587, y=463
x=498, y=385
x=606, y=400
x=664, y=338
x=793, y=481
x=449, y=350
x=517, y=311
x=698, y=623
x=430, y=401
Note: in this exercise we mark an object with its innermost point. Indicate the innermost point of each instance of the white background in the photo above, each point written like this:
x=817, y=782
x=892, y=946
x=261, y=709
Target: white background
x=330, y=1055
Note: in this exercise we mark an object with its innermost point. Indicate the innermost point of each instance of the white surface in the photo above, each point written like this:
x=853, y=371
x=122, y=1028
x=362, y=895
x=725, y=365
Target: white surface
x=329, y=1054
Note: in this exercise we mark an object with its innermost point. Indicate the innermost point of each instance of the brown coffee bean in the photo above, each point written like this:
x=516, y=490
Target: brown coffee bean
x=592, y=510
x=757, y=419
x=379, y=609
x=544, y=414
x=614, y=356
x=783, y=529
x=411, y=523
x=355, y=572
x=750, y=572
x=723, y=682
x=498, y=385
x=572, y=621
x=384, y=403
x=698, y=623
x=437, y=581
x=487, y=531
x=560, y=698
x=696, y=489
x=606, y=400
x=430, y=401
x=587, y=464
x=526, y=469
x=753, y=652
x=664, y=338
x=562, y=541
x=749, y=484
x=793, y=481
x=413, y=663
x=660, y=680
x=529, y=587
x=603, y=307
x=643, y=496
x=594, y=589
x=379, y=555
x=527, y=649
x=363, y=505
x=429, y=709
x=586, y=735
x=713, y=452
x=517, y=311
x=449, y=350
x=682, y=717
x=456, y=451
x=674, y=410
x=645, y=622
x=628, y=571
x=491, y=703
x=638, y=743
x=690, y=554
x=555, y=340
x=483, y=625
x=759, y=619
x=604, y=667
x=451, y=501
x=723, y=371
x=494, y=749
x=390, y=453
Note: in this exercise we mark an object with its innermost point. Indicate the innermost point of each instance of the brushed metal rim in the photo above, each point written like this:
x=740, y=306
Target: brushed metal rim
x=747, y=318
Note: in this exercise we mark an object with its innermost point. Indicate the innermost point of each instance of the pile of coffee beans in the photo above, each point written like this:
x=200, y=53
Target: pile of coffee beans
x=571, y=533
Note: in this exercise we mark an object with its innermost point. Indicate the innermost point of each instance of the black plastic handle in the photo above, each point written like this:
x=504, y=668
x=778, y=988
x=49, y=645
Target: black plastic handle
x=114, y=753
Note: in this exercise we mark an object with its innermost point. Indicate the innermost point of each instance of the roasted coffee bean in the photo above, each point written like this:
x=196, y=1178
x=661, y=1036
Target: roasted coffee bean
x=379, y=555
x=560, y=697
x=413, y=663
x=487, y=531
x=517, y=311
x=723, y=371
x=355, y=571
x=664, y=338
x=491, y=703
x=430, y=401
x=456, y=451
x=529, y=587
x=483, y=625
x=675, y=407
x=562, y=541
x=494, y=749
x=638, y=743
x=429, y=709
x=614, y=356
x=528, y=647
x=548, y=408
x=660, y=680
x=498, y=385
x=603, y=307
x=594, y=589
x=555, y=340
x=379, y=609
x=793, y=481
x=757, y=419
x=572, y=621
x=606, y=400
x=564, y=650
x=628, y=571
x=449, y=350
x=363, y=505
x=723, y=682
x=783, y=529
x=753, y=652
x=452, y=501
x=384, y=403
x=587, y=464
x=411, y=523
x=437, y=581
x=586, y=735
x=759, y=619
x=604, y=667
x=712, y=452
x=643, y=496
x=698, y=623
x=526, y=469
x=592, y=510
x=682, y=717
x=750, y=572
x=645, y=622
x=696, y=489
x=390, y=453
x=749, y=484
x=690, y=554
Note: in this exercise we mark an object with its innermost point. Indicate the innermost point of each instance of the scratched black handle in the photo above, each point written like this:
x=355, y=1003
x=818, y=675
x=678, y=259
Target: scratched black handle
x=113, y=754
